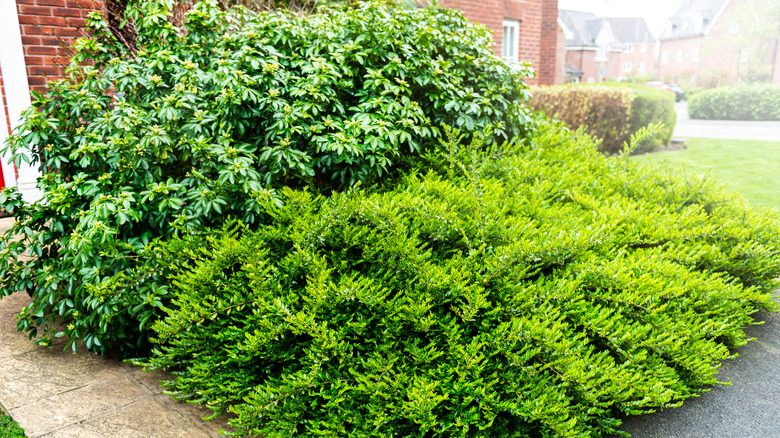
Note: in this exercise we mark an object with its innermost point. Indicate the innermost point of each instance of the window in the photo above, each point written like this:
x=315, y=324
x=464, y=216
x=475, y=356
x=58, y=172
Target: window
x=629, y=48
x=743, y=54
x=591, y=80
x=665, y=58
x=643, y=48
x=511, y=40
x=641, y=67
x=626, y=67
x=695, y=54
x=679, y=56
x=733, y=27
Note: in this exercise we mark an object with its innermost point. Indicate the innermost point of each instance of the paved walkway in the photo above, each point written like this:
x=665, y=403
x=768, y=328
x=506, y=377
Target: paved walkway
x=726, y=129
x=56, y=395
x=748, y=408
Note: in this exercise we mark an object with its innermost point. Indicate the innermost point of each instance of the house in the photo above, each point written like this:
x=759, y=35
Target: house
x=523, y=30
x=712, y=42
x=599, y=49
x=36, y=36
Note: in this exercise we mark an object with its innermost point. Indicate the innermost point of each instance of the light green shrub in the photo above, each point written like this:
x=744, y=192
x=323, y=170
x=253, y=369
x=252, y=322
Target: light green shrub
x=521, y=291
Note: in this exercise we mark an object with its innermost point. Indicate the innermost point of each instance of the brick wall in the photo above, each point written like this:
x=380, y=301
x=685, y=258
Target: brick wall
x=48, y=28
x=538, y=29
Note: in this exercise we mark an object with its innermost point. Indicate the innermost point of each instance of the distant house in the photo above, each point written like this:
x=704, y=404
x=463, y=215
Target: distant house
x=523, y=30
x=708, y=42
x=599, y=49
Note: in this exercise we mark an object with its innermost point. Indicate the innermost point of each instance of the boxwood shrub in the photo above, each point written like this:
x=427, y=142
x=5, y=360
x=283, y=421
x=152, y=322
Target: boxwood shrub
x=611, y=112
x=189, y=126
x=736, y=102
x=520, y=291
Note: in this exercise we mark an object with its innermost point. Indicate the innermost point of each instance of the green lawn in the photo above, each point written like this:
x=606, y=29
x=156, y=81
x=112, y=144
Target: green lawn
x=751, y=168
x=9, y=428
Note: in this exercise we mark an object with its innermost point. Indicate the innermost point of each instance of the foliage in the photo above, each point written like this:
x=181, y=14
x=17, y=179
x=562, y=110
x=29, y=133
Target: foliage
x=611, y=112
x=206, y=122
x=9, y=428
x=737, y=102
x=523, y=291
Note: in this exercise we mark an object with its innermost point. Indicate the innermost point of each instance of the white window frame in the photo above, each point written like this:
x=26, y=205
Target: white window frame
x=511, y=51
x=695, y=54
x=679, y=56
x=665, y=57
x=641, y=67
x=643, y=47
x=626, y=67
x=629, y=48
x=591, y=80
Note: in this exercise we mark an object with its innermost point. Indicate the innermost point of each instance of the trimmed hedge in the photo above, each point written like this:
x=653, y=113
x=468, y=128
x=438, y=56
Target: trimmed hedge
x=736, y=102
x=611, y=112
x=205, y=122
x=520, y=291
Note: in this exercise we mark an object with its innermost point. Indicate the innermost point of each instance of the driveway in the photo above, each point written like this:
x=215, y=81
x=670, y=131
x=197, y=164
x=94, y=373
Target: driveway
x=748, y=408
x=727, y=129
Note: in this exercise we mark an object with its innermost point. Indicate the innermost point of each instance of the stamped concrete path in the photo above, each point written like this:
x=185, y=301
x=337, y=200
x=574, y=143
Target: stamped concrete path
x=56, y=395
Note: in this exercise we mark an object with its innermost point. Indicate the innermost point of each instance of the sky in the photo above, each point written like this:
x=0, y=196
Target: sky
x=655, y=12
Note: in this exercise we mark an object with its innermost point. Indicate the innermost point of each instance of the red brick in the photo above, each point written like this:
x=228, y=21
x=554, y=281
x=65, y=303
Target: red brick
x=34, y=10
x=77, y=22
x=60, y=3
x=41, y=50
x=37, y=30
x=50, y=41
x=28, y=19
x=33, y=60
x=67, y=12
x=36, y=80
x=53, y=21
x=44, y=71
x=56, y=60
x=31, y=40
x=67, y=31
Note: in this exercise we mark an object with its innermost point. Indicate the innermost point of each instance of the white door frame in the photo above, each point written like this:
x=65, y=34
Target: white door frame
x=17, y=94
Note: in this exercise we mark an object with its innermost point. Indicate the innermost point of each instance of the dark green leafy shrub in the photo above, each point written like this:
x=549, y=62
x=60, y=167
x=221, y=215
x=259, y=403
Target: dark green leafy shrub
x=197, y=124
x=736, y=102
x=611, y=112
x=524, y=291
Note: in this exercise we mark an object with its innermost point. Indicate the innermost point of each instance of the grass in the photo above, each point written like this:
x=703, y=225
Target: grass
x=9, y=428
x=744, y=166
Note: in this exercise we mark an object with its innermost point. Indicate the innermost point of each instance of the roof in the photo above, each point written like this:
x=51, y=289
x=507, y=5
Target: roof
x=631, y=30
x=572, y=71
x=693, y=18
x=583, y=27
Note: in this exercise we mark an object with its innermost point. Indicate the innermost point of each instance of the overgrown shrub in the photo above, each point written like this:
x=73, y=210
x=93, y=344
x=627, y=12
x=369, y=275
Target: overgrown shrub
x=191, y=126
x=611, y=112
x=523, y=291
x=736, y=102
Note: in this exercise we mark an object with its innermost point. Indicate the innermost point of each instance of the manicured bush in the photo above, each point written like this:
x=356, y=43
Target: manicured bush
x=736, y=102
x=611, y=112
x=191, y=126
x=522, y=291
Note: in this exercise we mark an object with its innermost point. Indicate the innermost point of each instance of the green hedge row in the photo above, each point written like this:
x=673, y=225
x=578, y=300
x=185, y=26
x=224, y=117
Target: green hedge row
x=611, y=112
x=518, y=291
x=737, y=102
